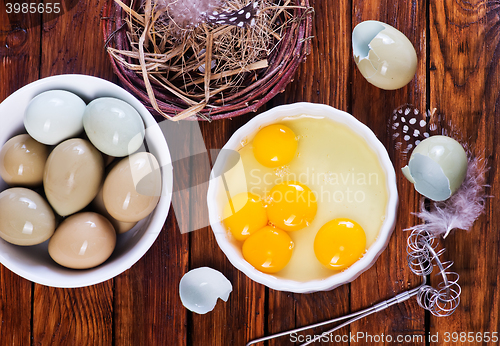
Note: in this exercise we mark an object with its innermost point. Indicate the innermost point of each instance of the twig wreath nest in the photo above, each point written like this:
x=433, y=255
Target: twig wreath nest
x=159, y=49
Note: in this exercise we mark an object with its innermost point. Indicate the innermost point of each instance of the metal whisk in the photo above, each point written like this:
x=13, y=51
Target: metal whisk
x=423, y=256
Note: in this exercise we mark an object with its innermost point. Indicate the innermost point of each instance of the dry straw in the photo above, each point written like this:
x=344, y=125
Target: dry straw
x=165, y=65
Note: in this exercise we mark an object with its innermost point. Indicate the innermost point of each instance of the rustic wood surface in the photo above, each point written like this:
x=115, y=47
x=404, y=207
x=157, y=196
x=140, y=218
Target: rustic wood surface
x=458, y=47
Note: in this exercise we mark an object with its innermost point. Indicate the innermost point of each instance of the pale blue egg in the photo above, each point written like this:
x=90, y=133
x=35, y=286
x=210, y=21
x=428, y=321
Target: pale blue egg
x=54, y=116
x=113, y=126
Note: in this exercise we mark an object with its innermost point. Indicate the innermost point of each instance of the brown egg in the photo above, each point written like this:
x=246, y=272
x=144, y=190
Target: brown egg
x=72, y=176
x=83, y=241
x=22, y=160
x=120, y=227
x=25, y=217
x=132, y=188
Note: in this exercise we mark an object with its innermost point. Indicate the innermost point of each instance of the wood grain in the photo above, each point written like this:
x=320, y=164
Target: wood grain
x=323, y=78
x=242, y=318
x=390, y=274
x=465, y=88
x=74, y=316
x=147, y=308
x=458, y=73
x=81, y=316
x=19, y=48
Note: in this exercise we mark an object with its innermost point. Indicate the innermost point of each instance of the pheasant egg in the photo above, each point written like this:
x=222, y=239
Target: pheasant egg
x=22, y=161
x=113, y=126
x=82, y=241
x=54, y=116
x=25, y=217
x=132, y=188
x=72, y=176
x=120, y=227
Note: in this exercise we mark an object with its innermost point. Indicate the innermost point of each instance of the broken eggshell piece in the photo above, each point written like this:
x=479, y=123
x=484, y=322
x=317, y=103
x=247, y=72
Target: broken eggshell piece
x=200, y=288
x=383, y=55
x=437, y=167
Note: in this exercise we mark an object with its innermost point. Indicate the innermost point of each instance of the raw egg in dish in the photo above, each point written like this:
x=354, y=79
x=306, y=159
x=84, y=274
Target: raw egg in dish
x=292, y=206
x=333, y=174
x=268, y=250
x=244, y=214
x=339, y=243
x=275, y=145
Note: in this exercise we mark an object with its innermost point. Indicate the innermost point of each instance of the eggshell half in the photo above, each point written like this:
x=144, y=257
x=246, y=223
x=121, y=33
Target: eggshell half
x=437, y=167
x=200, y=288
x=383, y=55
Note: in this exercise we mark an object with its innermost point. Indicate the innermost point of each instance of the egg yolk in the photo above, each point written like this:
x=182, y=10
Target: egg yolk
x=274, y=145
x=244, y=214
x=292, y=206
x=268, y=250
x=339, y=243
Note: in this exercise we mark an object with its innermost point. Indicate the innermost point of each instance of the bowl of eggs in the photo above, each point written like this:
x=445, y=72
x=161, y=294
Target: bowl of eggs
x=85, y=181
x=303, y=198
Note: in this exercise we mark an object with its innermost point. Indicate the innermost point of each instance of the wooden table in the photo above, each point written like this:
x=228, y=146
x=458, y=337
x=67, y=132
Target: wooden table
x=458, y=47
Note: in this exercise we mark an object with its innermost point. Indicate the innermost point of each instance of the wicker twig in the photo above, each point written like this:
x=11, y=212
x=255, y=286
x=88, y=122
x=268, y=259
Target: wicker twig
x=197, y=76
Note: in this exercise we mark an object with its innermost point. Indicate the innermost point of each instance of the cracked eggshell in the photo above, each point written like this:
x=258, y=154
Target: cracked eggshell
x=383, y=55
x=437, y=167
x=200, y=288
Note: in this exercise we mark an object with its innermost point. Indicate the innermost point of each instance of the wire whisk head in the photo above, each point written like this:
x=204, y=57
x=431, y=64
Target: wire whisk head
x=422, y=258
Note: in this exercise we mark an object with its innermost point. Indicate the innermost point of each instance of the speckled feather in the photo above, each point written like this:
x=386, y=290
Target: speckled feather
x=408, y=127
x=191, y=13
x=462, y=208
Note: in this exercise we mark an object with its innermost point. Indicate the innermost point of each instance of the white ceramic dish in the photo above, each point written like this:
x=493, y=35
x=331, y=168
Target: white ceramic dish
x=34, y=262
x=233, y=250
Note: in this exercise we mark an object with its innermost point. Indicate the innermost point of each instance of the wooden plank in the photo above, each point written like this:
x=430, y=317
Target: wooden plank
x=147, y=308
x=19, y=47
x=390, y=274
x=323, y=78
x=242, y=317
x=465, y=89
x=81, y=316
x=73, y=43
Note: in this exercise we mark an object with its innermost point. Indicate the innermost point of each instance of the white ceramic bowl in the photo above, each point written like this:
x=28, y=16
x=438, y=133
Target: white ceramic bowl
x=233, y=250
x=34, y=262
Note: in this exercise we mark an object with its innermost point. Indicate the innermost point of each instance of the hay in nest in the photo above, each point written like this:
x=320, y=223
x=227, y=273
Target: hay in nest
x=165, y=64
